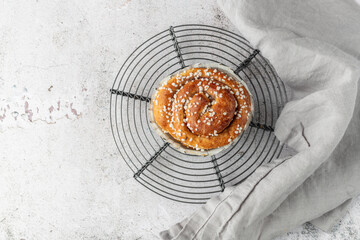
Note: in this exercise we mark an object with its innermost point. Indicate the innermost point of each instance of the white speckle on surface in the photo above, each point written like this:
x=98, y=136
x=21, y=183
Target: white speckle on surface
x=348, y=228
x=61, y=174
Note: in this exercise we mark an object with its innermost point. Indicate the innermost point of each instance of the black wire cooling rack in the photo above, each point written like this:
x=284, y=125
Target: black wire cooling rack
x=155, y=163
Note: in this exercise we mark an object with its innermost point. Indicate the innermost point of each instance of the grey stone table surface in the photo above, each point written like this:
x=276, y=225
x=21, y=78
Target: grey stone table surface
x=61, y=176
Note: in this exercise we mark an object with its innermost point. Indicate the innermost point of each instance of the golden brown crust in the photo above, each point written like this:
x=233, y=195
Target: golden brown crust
x=203, y=108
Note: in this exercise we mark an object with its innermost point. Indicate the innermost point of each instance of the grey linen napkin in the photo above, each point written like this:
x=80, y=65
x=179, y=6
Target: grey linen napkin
x=315, y=47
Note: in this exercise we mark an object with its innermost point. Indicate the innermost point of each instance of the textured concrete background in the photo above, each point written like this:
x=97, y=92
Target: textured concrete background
x=61, y=176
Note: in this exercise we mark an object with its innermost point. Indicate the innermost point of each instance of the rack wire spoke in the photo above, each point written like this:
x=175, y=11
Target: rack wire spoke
x=155, y=163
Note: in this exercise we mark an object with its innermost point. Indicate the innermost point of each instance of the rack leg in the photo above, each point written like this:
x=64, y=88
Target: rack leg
x=246, y=62
x=150, y=161
x=262, y=126
x=130, y=95
x=218, y=173
x=176, y=46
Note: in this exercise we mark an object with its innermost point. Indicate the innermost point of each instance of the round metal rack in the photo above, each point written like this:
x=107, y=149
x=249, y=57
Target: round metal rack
x=155, y=163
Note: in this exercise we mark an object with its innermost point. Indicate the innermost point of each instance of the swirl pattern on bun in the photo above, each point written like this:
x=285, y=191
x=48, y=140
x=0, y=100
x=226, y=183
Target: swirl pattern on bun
x=203, y=108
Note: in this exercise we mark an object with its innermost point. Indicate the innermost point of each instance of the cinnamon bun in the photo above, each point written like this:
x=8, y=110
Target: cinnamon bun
x=203, y=107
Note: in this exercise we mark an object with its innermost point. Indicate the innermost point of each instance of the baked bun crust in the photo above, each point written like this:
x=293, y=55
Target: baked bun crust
x=203, y=108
